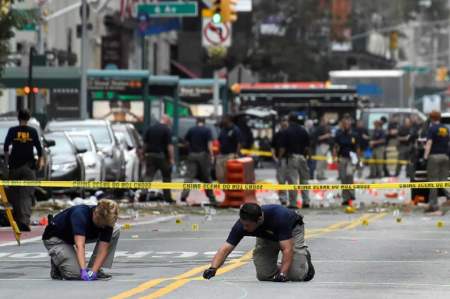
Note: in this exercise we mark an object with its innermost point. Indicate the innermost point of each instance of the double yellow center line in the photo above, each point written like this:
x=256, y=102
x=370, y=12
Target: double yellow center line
x=191, y=275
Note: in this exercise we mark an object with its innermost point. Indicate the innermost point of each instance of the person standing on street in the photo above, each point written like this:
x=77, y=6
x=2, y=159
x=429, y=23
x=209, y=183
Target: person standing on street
x=230, y=146
x=294, y=144
x=362, y=142
x=345, y=150
x=436, y=155
x=405, y=137
x=276, y=229
x=377, y=144
x=67, y=234
x=200, y=157
x=324, y=138
x=159, y=153
x=281, y=168
x=19, y=156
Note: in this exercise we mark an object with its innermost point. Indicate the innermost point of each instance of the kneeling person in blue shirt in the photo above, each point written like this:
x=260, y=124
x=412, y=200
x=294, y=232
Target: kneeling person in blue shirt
x=68, y=232
x=277, y=229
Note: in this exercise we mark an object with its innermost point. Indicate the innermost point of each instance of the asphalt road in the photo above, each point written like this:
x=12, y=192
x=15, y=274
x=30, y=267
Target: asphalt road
x=384, y=259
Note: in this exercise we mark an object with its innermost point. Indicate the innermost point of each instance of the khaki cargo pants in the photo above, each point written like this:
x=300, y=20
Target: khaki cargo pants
x=265, y=257
x=297, y=170
x=346, y=170
x=64, y=256
x=437, y=170
x=221, y=166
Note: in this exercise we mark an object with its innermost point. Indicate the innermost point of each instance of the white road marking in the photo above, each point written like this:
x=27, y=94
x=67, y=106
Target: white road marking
x=14, y=243
x=25, y=256
x=139, y=223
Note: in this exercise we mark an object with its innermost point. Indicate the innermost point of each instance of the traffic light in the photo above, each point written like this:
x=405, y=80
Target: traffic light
x=228, y=11
x=442, y=74
x=217, y=11
x=393, y=40
x=27, y=90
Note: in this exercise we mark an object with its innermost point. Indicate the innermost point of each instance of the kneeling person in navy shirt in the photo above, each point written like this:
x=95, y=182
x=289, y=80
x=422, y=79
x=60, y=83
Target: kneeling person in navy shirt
x=68, y=232
x=276, y=229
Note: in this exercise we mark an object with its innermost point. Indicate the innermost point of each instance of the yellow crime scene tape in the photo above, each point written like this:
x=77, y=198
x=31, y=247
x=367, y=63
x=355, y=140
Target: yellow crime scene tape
x=218, y=186
x=260, y=153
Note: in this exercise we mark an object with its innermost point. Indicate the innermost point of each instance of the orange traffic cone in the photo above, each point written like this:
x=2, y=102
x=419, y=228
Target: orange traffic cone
x=43, y=221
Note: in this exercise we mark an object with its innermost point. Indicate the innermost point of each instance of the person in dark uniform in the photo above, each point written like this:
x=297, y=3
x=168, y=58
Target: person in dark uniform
x=281, y=169
x=230, y=146
x=377, y=144
x=405, y=138
x=200, y=158
x=345, y=150
x=294, y=144
x=362, y=142
x=69, y=231
x=323, y=143
x=436, y=155
x=276, y=229
x=19, y=156
x=159, y=152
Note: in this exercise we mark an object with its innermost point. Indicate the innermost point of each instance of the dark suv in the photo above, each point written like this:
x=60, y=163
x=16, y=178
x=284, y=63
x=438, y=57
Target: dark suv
x=103, y=135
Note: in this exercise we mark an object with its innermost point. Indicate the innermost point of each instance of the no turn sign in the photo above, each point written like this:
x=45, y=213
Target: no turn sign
x=216, y=34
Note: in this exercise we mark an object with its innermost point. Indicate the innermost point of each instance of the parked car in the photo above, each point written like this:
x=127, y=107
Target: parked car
x=67, y=161
x=419, y=165
x=8, y=122
x=93, y=159
x=105, y=139
x=132, y=145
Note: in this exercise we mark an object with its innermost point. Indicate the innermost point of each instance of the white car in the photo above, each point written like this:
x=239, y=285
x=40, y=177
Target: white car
x=131, y=143
x=94, y=161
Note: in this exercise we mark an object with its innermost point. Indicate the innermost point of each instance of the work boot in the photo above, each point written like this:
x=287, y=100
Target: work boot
x=102, y=275
x=54, y=271
x=23, y=227
x=311, y=271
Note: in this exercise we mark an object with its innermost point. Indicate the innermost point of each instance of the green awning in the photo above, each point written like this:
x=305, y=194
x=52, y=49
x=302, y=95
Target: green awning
x=43, y=77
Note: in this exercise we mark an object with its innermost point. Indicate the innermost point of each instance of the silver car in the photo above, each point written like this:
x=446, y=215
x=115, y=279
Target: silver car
x=131, y=143
x=93, y=158
x=105, y=139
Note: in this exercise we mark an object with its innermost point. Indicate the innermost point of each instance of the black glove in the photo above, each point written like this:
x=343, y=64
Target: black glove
x=209, y=273
x=280, y=277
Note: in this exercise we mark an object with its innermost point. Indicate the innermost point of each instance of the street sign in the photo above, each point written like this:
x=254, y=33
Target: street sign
x=169, y=9
x=27, y=27
x=28, y=18
x=416, y=69
x=214, y=35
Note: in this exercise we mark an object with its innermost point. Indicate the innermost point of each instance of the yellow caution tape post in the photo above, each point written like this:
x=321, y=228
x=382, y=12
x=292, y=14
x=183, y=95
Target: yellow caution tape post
x=9, y=215
x=217, y=186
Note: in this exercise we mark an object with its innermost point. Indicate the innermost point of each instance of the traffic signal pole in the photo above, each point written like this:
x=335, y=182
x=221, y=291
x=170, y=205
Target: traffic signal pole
x=30, y=103
x=83, y=87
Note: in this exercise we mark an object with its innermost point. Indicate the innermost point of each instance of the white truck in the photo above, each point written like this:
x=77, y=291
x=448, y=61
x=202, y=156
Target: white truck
x=385, y=88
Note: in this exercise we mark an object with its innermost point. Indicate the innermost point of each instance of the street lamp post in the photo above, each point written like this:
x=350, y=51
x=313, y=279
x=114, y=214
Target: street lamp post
x=83, y=87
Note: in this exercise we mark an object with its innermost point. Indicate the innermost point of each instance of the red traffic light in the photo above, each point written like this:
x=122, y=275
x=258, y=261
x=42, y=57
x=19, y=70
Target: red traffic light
x=27, y=90
x=35, y=90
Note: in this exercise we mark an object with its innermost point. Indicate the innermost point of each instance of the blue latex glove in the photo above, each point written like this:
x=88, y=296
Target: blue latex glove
x=92, y=275
x=84, y=275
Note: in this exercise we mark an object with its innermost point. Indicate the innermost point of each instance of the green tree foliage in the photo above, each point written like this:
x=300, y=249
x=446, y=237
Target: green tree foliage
x=8, y=22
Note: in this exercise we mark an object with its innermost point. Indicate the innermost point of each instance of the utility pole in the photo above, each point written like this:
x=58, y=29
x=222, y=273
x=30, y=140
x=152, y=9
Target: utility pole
x=83, y=87
x=30, y=80
x=216, y=93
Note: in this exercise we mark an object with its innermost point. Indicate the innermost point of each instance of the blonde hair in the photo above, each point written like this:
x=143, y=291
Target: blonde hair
x=106, y=213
